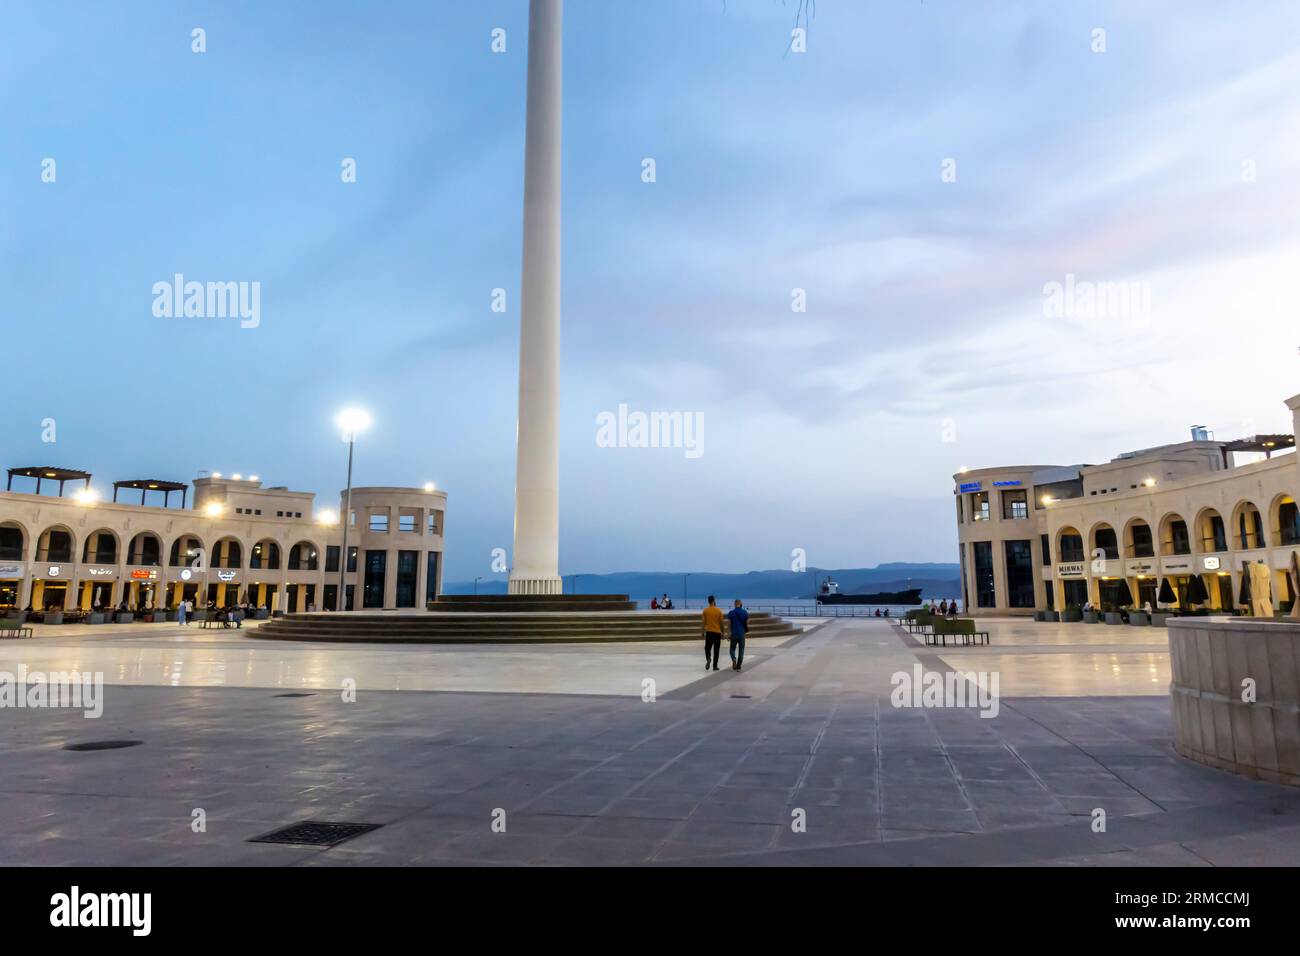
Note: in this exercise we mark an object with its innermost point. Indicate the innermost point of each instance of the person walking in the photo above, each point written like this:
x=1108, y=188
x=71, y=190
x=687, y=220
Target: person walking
x=180, y=613
x=738, y=618
x=711, y=625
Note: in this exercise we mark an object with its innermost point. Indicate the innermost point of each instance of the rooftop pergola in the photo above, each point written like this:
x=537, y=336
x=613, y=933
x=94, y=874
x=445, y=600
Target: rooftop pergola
x=48, y=473
x=146, y=485
x=1259, y=443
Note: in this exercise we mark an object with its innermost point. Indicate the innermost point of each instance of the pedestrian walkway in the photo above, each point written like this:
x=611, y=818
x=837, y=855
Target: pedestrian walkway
x=799, y=759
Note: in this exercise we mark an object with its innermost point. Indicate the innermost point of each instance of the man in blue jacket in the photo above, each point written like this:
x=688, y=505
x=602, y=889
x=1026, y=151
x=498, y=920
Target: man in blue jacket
x=738, y=618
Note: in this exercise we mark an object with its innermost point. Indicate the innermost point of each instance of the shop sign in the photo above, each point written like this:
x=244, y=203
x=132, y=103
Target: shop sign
x=11, y=570
x=1178, y=565
x=1070, y=570
x=53, y=570
x=141, y=574
x=101, y=572
x=971, y=486
x=227, y=575
x=1141, y=567
x=1007, y=484
x=1211, y=563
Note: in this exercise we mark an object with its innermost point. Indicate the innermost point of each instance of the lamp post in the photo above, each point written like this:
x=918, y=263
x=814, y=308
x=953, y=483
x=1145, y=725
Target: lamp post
x=476, y=581
x=351, y=420
x=686, y=596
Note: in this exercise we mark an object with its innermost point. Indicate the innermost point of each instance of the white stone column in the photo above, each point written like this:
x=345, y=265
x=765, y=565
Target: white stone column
x=535, y=568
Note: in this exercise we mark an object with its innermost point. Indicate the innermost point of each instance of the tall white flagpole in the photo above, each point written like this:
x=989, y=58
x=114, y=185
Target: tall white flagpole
x=535, y=568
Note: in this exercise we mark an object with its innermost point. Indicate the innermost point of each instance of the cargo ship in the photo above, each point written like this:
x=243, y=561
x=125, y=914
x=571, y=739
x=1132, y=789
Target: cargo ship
x=830, y=594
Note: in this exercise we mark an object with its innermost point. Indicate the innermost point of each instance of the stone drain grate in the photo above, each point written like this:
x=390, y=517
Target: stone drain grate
x=91, y=745
x=293, y=695
x=316, y=833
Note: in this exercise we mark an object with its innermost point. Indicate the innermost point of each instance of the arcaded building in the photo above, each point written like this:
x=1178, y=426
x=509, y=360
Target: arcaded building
x=231, y=540
x=1044, y=537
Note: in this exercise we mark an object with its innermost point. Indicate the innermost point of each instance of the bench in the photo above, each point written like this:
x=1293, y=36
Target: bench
x=16, y=631
x=957, y=627
x=214, y=622
x=917, y=619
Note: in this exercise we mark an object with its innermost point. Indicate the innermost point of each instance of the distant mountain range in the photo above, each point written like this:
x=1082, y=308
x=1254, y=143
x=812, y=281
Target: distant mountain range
x=935, y=581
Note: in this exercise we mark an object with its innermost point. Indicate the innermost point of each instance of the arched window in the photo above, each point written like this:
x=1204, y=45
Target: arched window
x=265, y=556
x=145, y=550
x=1288, y=521
x=303, y=557
x=12, y=543
x=56, y=545
x=1250, y=527
x=1174, y=536
x=1140, y=543
x=101, y=547
x=228, y=554
x=1071, y=548
x=1105, y=540
x=185, y=551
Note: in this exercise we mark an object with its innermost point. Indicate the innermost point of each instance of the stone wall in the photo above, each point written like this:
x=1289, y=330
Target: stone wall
x=1215, y=722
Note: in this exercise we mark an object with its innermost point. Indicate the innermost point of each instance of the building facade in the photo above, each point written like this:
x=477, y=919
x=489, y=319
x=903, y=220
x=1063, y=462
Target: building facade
x=240, y=541
x=1046, y=537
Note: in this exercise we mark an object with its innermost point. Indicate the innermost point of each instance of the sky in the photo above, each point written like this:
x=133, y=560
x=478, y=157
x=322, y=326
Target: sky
x=919, y=177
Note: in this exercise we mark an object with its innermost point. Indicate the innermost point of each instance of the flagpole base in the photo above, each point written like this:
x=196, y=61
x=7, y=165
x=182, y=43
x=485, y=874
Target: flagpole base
x=536, y=586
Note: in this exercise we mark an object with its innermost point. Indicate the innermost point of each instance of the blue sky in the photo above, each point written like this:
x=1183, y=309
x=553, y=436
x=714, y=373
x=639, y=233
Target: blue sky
x=824, y=430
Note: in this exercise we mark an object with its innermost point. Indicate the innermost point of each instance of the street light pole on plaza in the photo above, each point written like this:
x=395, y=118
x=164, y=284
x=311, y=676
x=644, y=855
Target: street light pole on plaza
x=351, y=420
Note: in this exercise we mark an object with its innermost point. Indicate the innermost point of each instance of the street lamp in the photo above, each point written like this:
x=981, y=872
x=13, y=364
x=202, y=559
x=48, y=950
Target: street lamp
x=476, y=581
x=351, y=421
x=686, y=596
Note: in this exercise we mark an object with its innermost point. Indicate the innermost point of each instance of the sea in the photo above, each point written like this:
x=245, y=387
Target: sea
x=792, y=607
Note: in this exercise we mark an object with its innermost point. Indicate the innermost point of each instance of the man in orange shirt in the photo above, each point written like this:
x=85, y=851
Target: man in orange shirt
x=712, y=628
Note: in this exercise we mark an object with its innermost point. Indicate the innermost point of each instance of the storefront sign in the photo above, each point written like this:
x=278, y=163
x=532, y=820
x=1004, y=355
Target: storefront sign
x=140, y=574
x=1069, y=570
x=1141, y=567
x=186, y=574
x=53, y=570
x=970, y=486
x=1211, y=564
x=1007, y=484
x=227, y=575
x=101, y=572
x=1178, y=565
x=12, y=570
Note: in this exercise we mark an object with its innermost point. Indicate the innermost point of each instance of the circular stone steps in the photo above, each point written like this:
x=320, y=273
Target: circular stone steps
x=503, y=628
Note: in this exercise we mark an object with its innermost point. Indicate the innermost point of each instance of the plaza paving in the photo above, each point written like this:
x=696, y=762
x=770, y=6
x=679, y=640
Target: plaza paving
x=712, y=771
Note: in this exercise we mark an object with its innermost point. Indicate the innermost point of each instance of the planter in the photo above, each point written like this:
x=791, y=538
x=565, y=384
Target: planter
x=1160, y=619
x=124, y=617
x=1040, y=615
x=53, y=617
x=96, y=617
x=15, y=617
x=262, y=614
x=1139, y=619
x=1091, y=617
x=1052, y=616
x=1114, y=617
x=1072, y=615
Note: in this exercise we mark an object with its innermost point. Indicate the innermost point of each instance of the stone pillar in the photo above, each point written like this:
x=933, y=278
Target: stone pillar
x=536, y=557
